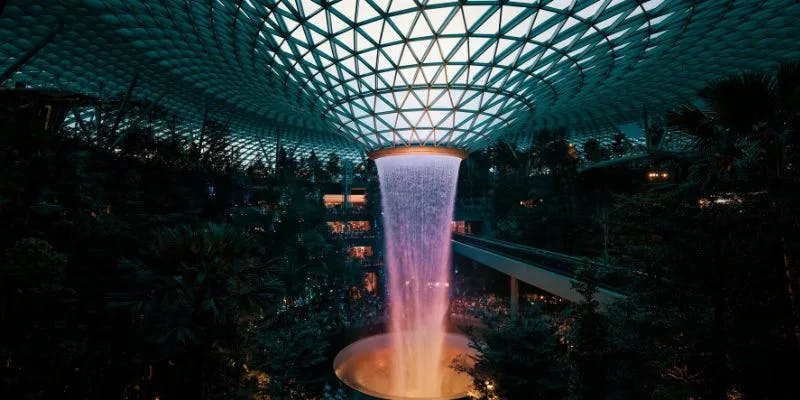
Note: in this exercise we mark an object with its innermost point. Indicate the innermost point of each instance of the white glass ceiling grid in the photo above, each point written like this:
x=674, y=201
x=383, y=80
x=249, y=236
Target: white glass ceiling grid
x=399, y=72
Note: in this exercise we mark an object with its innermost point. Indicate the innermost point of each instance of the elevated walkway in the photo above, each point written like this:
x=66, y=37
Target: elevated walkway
x=549, y=271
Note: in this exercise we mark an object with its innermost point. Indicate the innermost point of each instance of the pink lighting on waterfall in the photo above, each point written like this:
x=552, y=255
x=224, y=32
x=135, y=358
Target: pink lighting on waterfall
x=417, y=194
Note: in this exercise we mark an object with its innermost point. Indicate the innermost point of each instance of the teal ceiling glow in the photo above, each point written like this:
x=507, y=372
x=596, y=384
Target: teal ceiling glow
x=361, y=75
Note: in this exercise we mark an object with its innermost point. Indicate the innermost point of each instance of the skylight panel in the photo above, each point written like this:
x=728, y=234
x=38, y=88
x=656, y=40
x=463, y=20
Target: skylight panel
x=437, y=17
x=337, y=23
x=476, y=44
x=590, y=10
x=370, y=57
x=636, y=11
x=546, y=35
x=608, y=22
x=652, y=4
x=541, y=69
x=407, y=57
x=472, y=14
x=421, y=29
x=560, y=4
x=657, y=35
x=429, y=71
x=342, y=58
x=390, y=34
x=420, y=48
x=660, y=19
x=616, y=35
x=399, y=5
x=490, y=25
x=569, y=23
x=521, y=29
x=456, y=25
x=438, y=116
x=319, y=20
x=393, y=51
x=486, y=56
x=373, y=29
x=407, y=74
x=579, y=51
x=349, y=64
x=563, y=44
x=366, y=12
x=403, y=22
x=348, y=9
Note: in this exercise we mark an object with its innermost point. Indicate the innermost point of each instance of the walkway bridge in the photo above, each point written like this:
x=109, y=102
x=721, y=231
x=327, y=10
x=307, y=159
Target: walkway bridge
x=546, y=270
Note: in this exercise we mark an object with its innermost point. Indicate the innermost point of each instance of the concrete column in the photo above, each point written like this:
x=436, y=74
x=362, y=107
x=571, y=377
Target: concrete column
x=514, y=296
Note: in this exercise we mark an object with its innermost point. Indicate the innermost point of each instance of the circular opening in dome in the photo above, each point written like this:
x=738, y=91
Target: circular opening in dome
x=418, y=150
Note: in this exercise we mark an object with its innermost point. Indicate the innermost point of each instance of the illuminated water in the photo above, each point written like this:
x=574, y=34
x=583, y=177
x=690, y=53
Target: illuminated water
x=367, y=365
x=417, y=193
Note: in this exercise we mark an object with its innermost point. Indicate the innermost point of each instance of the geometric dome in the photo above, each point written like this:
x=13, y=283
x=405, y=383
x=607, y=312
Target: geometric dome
x=366, y=74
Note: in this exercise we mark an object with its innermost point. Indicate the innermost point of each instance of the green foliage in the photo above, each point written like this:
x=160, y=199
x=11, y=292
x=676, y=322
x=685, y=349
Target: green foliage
x=32, y=264
x=294, y=352
x=509, y=350
x=594, y=151
x=333, y=166
x=709, y=260
x=587, y=338
x=705, y=275
x=131, y=268
x=339, y=394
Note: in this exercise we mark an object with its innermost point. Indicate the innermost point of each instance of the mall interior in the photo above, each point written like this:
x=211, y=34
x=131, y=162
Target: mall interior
x=400, y=199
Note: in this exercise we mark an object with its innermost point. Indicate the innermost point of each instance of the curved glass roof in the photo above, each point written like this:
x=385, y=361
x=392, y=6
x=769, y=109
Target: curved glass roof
x=368, y=74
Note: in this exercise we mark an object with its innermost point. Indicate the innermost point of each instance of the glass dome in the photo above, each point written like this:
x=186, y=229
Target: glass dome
x=360, y=75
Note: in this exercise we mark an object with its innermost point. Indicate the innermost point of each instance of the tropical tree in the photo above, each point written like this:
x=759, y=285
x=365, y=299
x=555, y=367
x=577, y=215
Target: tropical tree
x=587, y=338
x=593, y=151
x=747, y=120
x=333, y=166
x=748, y=133
x=701, y=273
x=315, y=171
x=509, y=350
x=197, y=292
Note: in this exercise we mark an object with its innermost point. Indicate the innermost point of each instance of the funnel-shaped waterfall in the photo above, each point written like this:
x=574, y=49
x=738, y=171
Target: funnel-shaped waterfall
x=417, y=193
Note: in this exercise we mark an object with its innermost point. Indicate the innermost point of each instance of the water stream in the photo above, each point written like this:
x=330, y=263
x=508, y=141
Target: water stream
x=417, y=193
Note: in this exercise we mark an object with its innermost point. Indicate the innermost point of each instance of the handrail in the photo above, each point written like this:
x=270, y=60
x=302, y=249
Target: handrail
x=554, y=262
x=532, y=250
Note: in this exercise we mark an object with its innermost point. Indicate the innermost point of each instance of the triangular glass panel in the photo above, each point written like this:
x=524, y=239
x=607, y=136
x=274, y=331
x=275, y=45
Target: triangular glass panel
x=437, y=17
x=366, y=12
x=455, y=26
x=491, y=25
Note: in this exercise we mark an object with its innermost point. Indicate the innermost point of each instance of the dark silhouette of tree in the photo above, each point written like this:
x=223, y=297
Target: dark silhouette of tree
x=509, y=350
x=333, y=166
x=593, y=151
x=314, y=167
x=124, y=271
x=587, y=338
x=621, y=145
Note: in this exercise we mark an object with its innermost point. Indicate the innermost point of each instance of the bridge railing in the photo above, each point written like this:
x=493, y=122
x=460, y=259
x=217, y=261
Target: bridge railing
x=559, y=263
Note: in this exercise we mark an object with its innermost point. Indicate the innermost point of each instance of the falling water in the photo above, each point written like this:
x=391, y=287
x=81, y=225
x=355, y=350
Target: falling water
x=417, y=194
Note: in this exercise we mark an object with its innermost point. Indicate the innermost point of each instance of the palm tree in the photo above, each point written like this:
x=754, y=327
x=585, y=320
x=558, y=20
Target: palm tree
x=750, y=125
x=749, y=118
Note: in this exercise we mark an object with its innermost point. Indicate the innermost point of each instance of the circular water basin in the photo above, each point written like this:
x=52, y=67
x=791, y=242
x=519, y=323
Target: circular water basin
x=366, y=367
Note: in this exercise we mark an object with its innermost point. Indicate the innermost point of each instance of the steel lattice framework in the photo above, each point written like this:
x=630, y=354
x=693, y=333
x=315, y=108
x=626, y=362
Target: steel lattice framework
x=359, y=75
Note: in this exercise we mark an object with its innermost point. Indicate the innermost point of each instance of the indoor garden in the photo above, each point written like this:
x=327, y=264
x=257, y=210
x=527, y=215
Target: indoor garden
x=400, y=199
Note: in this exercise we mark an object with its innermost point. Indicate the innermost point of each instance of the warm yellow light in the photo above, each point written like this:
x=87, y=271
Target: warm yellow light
x=418, y=150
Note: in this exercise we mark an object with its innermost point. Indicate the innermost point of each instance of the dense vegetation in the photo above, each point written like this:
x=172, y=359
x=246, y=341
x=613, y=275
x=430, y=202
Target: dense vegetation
x=138, y=267
x=141, y=267
x=710, y=255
